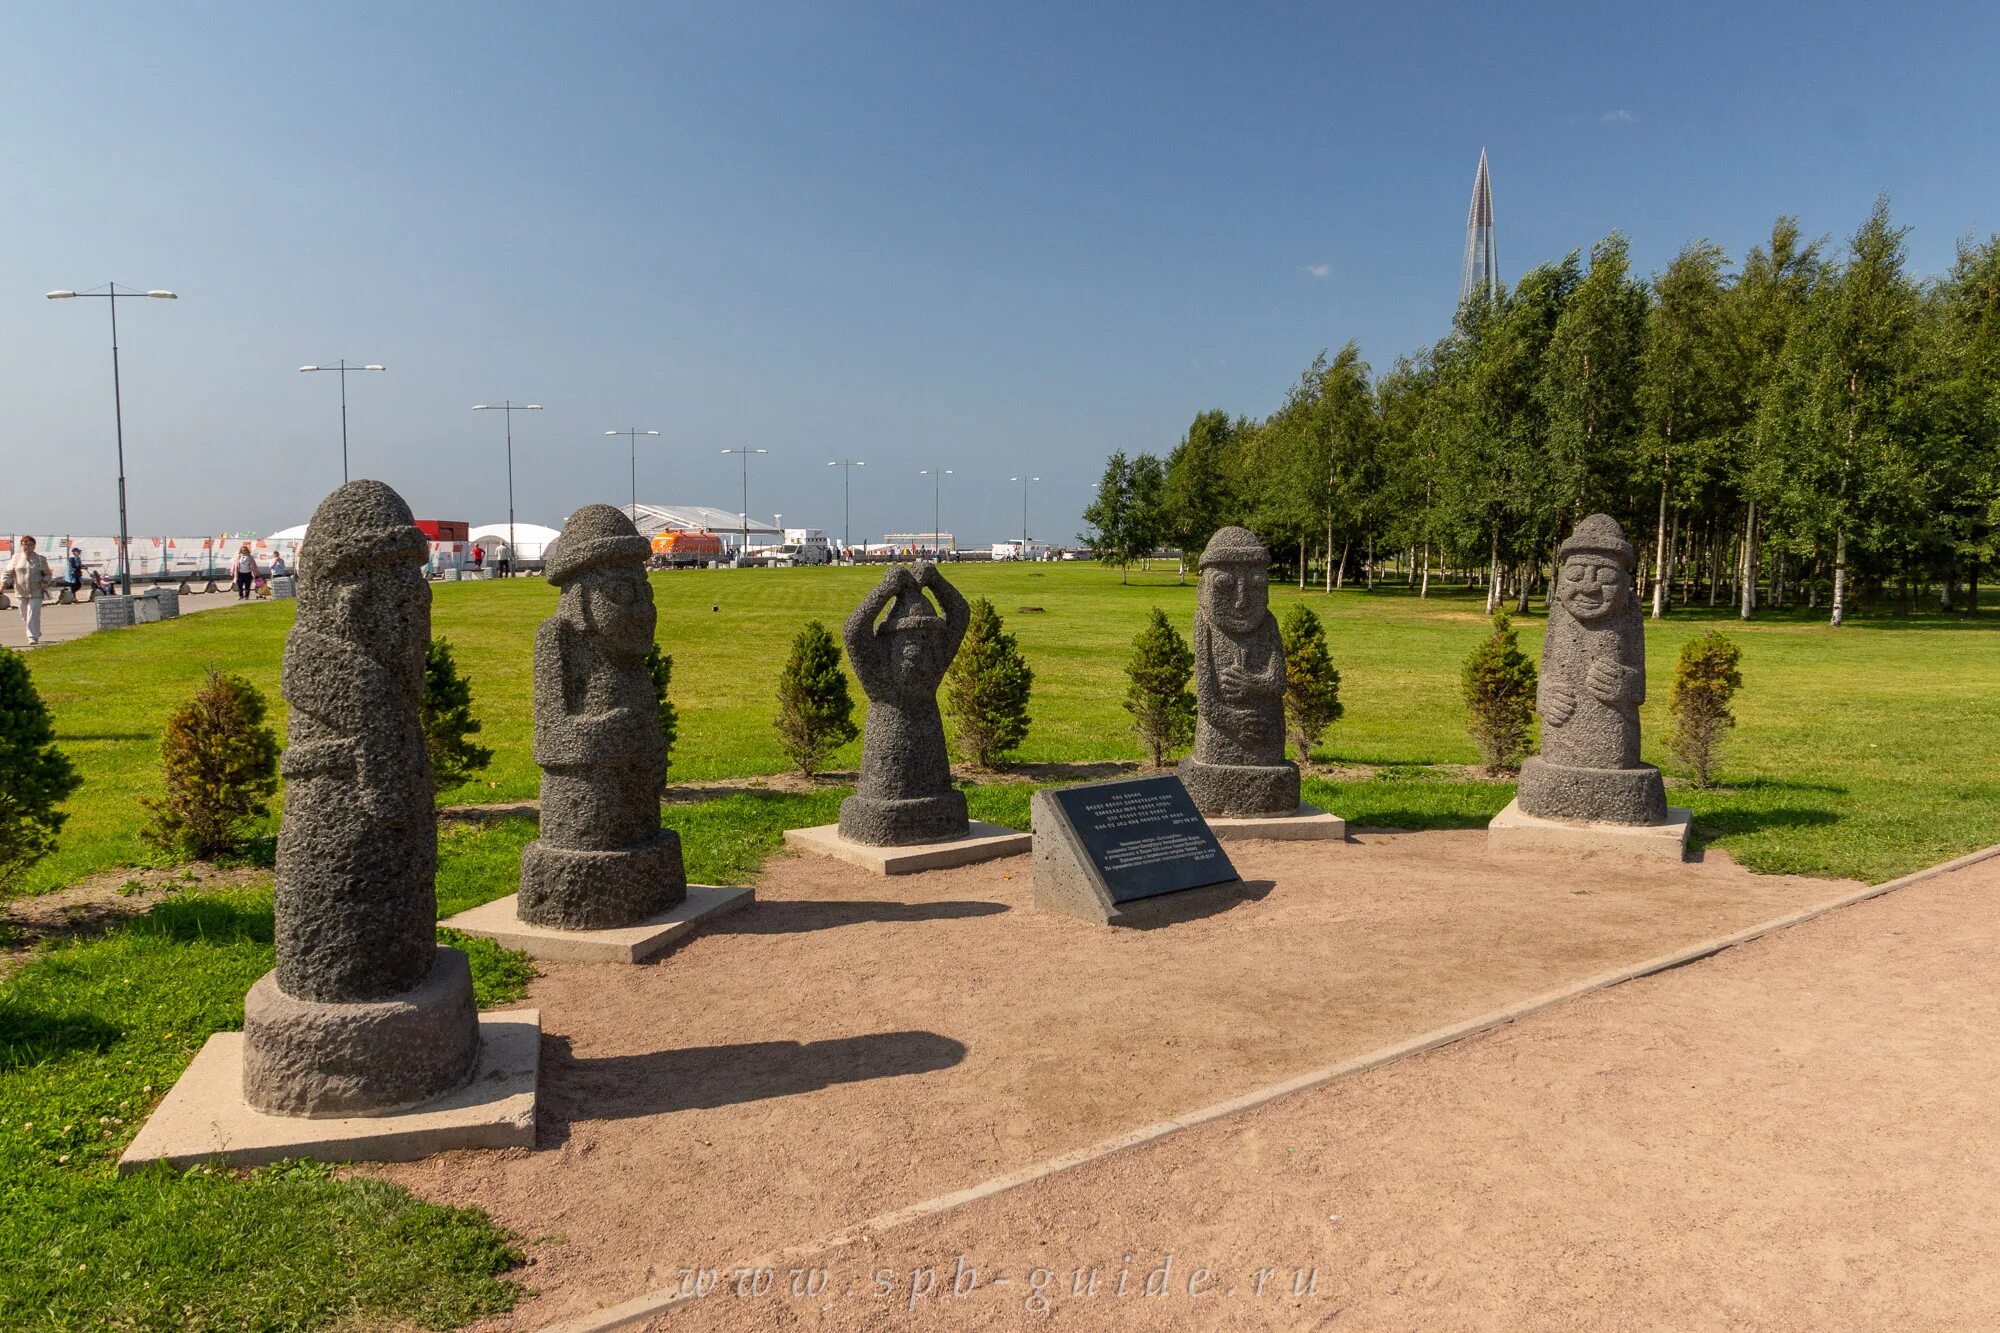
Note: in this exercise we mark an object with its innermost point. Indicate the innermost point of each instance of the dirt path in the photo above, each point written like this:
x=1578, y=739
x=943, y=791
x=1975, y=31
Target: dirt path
x=101, y=902
x=1798, y=1134
x=853, y=1044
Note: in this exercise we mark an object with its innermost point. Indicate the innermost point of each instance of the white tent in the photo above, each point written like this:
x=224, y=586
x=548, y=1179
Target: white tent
x=727, y=524
x=532, y=538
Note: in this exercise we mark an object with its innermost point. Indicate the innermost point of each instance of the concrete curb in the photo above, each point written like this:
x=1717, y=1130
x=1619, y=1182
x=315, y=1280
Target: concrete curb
x=630, y=1313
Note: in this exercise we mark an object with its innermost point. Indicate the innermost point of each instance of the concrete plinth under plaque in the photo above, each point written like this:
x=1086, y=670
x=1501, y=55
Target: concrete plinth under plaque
x=206, y=1119
x=1307, y=823
x=498, y=922
x=982, y=842
x=1513, y=830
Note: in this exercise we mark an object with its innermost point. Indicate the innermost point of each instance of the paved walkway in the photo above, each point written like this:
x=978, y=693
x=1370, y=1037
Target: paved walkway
x=63, y=623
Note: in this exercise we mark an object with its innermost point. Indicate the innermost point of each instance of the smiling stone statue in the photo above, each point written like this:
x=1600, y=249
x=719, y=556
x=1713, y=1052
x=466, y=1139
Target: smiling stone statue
x=1239, y=765
x=1593, y=681
x=602, y=859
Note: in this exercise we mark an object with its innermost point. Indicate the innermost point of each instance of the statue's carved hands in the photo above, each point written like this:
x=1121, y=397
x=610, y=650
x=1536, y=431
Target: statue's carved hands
x=1235, y=681
x=905, y=577
x=1606, y=682
x=926, y=574
x=1558, y=702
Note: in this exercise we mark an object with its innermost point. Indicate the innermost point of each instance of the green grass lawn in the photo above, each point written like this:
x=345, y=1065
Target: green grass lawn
x=1862, y=751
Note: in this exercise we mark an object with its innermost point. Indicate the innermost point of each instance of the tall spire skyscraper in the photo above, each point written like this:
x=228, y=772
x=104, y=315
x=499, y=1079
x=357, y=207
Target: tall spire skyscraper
x=1482, y=258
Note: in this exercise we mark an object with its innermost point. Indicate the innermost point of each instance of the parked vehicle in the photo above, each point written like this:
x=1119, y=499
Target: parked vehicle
x=678, y=547
x=798, y=553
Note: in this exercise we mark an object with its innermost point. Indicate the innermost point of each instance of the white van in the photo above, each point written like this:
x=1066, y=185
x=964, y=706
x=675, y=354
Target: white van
x=799, y=553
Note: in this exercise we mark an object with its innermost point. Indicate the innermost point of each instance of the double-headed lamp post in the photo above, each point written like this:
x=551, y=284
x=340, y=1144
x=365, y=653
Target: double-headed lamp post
x=341, y=368
x=846, y=466
x=743, y=538
x=1024, y=511
x=937, y=476
x=510, y=408
x=633, y=434
x=111, y=293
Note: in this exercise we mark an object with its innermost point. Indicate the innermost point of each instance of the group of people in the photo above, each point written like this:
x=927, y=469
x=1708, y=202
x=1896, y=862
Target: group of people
x=249, y=577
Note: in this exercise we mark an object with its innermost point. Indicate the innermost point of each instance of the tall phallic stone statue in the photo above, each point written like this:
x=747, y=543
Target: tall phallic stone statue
x=1239, y=765
x=1593, y=681
x=906, y=794
x=602, y=859
x=364, y=1012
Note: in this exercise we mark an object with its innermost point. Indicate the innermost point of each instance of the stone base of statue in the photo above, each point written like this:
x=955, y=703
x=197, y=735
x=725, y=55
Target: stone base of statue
x=1514, y=830
x=902, y=823
x=697, y=905
x=1592, y=795
x=978, y=842
x=323, y=1058
x=571, y=889
x=205, y=1117
x=1241, y=789
x=1306, y=823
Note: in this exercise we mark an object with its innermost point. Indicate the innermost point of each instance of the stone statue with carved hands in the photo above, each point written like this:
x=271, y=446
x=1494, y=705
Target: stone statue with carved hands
x=1239, y=765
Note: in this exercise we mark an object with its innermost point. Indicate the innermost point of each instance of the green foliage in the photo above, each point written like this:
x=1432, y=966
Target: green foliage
x=986, y=689
x=448, y=721
x=1498, y=681
x=1706, y=678
x=34, y=775
x=660, y=666
x=815, y=714
x=92, y=1034
x=1312, y=686
x=1157, y=695
x=221, y=766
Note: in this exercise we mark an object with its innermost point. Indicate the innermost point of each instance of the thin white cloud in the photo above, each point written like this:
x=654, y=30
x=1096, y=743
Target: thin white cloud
x=1617, y=116
x=1319, y=270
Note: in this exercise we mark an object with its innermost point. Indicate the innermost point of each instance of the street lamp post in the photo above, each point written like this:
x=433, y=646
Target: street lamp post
x=846, y=466
x=510, y=408
x=937, y=476
x=111, y=294
x=633, y=435
x=1024, y=511
x=743, y=538
x=342, y=368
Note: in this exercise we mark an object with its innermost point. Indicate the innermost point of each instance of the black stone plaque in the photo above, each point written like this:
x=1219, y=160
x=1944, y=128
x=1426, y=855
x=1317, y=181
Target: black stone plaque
x=1144, y=836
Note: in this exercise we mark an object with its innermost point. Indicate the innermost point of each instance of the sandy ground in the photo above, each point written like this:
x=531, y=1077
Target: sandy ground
x=1800, y=1133
x=855, y=1043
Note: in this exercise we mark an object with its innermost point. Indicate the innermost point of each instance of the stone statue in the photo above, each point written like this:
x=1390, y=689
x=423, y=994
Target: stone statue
x=1593, y=681
x=364, y=1012
x=1239, y=765
x=602, y=859
x=906, y=794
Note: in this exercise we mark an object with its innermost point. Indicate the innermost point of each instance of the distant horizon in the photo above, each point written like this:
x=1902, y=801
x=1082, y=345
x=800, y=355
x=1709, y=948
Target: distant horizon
x=1003, y=245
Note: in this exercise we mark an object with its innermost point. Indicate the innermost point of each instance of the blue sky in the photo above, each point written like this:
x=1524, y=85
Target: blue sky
x=998, y=239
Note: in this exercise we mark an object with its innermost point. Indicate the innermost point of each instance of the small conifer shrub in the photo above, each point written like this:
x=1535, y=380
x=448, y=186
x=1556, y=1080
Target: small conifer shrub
x=1158, y=697
x=1706, y=678
x=221, y=767
x=660, y=666
x=815, y=713
x=1312, y=686
x=35, y=776
x=448, y=721
x=986, y=689
x=1499, y=684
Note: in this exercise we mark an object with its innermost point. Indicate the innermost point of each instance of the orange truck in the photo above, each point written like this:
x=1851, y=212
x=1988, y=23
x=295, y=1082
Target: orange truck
x=677, y=546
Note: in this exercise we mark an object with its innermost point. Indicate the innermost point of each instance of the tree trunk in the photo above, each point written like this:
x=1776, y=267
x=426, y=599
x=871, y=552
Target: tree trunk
x=1302, y=564
x=1426, y=590
x=1493, y=572
x=1371, y=561
x=1329, y=553
x=1660, y=556
x=1747, y=587
x=1340, y=579
x=1839, y=576
x=1714, y=564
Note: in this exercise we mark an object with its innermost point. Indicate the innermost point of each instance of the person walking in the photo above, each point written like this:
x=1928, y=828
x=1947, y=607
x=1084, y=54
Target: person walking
x=31, y=577
x=245, y=570
x=75, y=570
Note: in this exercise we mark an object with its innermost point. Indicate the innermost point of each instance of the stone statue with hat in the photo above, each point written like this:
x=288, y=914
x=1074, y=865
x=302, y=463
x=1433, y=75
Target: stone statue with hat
x=1592, y=683
x=1239, y=765
x=364, y=1012
x=905, y=794
x=602, y=860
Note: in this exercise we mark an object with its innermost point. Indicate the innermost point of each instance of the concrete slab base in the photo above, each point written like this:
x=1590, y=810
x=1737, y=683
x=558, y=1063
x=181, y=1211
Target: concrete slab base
x=983, y=842
x=496, y=921
x=205, y=1119
x=1513, y=831
x=1307, y=823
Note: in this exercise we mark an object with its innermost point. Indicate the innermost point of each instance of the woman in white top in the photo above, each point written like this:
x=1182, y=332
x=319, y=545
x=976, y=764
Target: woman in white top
x=245, y=570
x=31, y=576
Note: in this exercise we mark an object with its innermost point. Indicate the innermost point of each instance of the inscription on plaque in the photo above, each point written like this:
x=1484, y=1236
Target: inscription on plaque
x=1143, y=836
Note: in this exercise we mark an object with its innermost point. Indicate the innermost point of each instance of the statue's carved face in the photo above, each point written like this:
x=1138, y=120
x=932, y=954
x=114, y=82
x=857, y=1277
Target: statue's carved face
x=372, y=608
x=1237, y=596
x=617, y=613
x=910, y=651
x=1592, y=588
